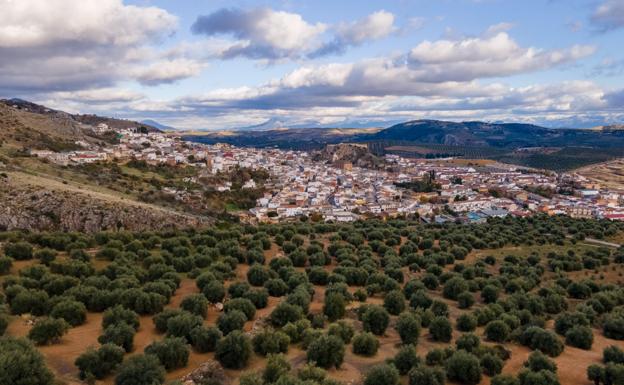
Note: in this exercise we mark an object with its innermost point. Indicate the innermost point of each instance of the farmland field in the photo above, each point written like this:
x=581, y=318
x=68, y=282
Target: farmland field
x=406, y=299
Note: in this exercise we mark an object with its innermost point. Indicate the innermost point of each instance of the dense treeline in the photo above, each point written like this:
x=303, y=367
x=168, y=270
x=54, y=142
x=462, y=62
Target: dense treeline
x=419, y=271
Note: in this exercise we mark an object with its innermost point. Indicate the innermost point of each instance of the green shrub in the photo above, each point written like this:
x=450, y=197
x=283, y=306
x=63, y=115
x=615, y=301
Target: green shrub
x=408, y=327
x=394, y=302
x=341, y=329
x=205, y=339
x=491, y=364
x=234, y=350
x=537, y=361
x=285, y=313
x=276, y=367
x=382, y=374
x=99, y=363
x=270, y=342
x=334, y=306
x=243, y=305
x=580, y=337
x=230, y=321
x=172, y=352
x=405, y=359
x=144, y=369
x=453, y=287
x=48, y=330
x=469, y=342
x=118, y=314
x=22, y=363
x=365, y=344
x=613, y=354
x=497, y=331
x=422, y=375
x=196, y=304
x=543, y=377
x=120, y=334
x=5, y=264
x=466, y=323
x=505, y=379
x=214, y=291
x=73, y=312
x=19, y=250
x=463, y=367
x=326, y=351
x=440, y=329
x=375, y=319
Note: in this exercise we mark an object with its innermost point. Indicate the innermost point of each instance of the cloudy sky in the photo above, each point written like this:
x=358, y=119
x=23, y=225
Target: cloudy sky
x=222, y=64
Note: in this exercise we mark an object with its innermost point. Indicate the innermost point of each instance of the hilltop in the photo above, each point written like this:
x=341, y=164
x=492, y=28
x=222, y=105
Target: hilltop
x=24, y=124
x=36, y=194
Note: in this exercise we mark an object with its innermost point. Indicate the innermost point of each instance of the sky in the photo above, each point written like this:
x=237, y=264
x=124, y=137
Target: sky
x=227, y=64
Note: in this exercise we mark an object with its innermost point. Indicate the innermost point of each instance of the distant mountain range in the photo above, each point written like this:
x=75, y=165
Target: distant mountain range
x=153, y=123
x=472, y=134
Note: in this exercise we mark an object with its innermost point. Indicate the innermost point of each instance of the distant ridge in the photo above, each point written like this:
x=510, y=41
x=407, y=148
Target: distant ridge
x=157, y=125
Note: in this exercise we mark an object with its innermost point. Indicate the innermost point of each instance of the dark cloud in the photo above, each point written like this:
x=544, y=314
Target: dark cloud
x=615, y=99
x=609, y=15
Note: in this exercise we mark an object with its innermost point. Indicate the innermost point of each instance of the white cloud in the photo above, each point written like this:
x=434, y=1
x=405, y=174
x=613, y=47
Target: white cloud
x=262, y=33
x=68, y=45
x=33, y=23
x=479, y=57
x=609, y=15
x=375, y=26
x=100, y=95
x=167, y=71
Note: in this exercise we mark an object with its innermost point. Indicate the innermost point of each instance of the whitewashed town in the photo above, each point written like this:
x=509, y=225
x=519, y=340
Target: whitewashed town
x=339, y=191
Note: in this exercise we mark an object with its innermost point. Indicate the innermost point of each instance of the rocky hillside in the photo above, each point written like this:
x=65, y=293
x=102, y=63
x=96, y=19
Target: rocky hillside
x=36, y=203
x=31, y=126
x=356, y=154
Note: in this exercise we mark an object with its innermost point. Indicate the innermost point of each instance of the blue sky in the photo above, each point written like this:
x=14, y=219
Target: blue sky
x=229, y=64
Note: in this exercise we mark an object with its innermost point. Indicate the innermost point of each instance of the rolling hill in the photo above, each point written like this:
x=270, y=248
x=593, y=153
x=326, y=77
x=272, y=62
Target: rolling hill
x=39, y=195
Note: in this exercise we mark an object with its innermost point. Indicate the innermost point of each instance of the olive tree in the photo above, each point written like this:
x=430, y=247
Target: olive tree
x=365, y=344
x=195, y=304
x=394, y=302
x=99, y=363
x=73, y=312
x=326, y=351
x=234, y=350
x=334, y=306
x=463, y=367
x=408, y=327
x=22, y=363
x=270, y=342
x=375, y=319
x=382, y=374
x=143, y=369
x=205, y=339
x=48, y=330
x=172, y=352
x=440, y=329
x=405, y=359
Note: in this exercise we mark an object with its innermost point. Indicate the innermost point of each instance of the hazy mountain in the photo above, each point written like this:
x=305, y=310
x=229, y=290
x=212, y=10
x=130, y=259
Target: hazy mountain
x=155, y=124
x=506, y=135
x=270, y=124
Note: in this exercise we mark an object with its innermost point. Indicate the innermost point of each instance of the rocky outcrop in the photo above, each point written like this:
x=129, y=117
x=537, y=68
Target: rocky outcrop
x=210, y=372
x=355, y=154
x=32, y=208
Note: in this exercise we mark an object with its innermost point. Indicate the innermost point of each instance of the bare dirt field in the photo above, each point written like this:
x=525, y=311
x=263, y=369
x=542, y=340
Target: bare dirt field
x=608, y=174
